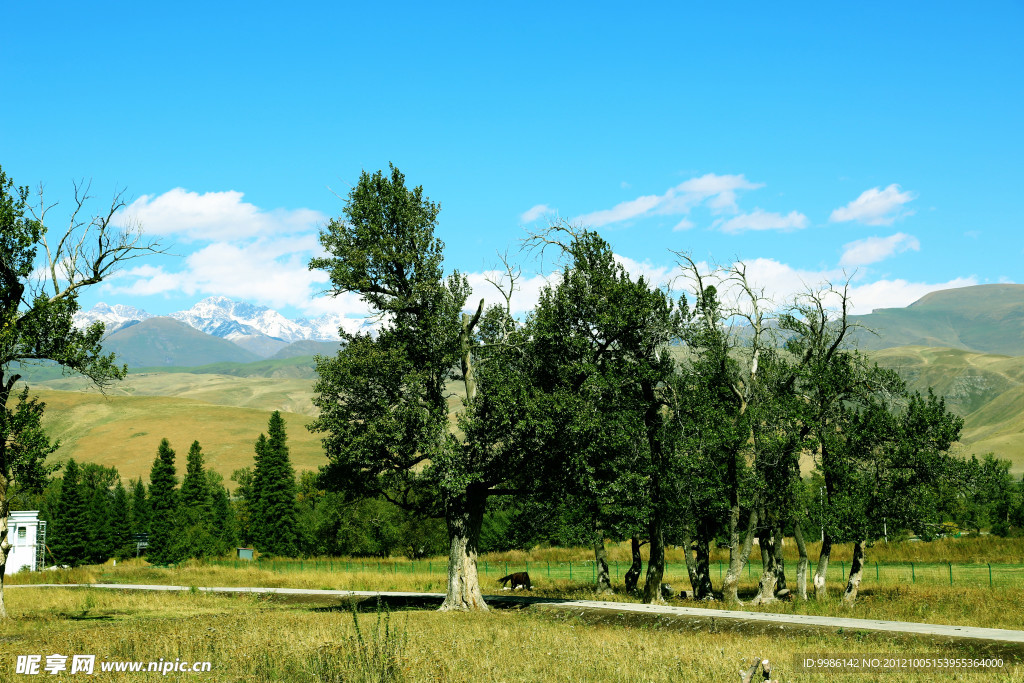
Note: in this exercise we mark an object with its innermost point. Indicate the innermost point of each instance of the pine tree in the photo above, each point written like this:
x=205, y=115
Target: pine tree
x=140, y=507
x=225, y=528
x=276, y=494
x=67, y=538
x=163, y=501
x=96, y=481
x=120, y=523
x=196, y=537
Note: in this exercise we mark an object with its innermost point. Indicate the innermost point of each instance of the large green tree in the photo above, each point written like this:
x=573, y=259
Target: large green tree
x=40, y=280
x=599, y=340
x=382, y=399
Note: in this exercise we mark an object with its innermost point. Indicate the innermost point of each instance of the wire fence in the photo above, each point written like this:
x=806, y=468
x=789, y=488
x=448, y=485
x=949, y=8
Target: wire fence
x=929, y=574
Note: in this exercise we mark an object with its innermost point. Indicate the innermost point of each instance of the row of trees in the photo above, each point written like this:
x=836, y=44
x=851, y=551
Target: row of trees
x=652, y=417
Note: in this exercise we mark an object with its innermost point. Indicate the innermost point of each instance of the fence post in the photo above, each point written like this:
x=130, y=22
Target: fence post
x=842, y=566
x=876, y=571
x=950, y=573
x=913, y=579
x=990, y=575
x=549, y=569
x=570, y=570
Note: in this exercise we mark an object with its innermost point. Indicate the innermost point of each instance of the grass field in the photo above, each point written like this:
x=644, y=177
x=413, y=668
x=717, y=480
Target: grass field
x=275, y=638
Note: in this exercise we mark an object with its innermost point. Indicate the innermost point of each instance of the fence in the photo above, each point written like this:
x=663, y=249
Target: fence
x=992, y=575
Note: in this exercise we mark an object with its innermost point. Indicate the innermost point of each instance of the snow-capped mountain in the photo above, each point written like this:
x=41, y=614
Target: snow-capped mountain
x=114, y=317
x=225, y=318
x=237, y=321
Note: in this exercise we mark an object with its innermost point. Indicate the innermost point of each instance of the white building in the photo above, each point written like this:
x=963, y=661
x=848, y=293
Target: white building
x=27, y=536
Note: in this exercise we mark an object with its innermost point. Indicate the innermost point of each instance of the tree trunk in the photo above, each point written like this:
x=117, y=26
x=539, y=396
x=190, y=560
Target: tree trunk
x=656, y=562
x=737, y=555
x=702, y=590
x=604, y=584
x=820, y=591
x=769, y=576
x=780, y=561
x=801, y=567
x=633, y=574
x=464, y=517
x=856, y=572
x=698, y=565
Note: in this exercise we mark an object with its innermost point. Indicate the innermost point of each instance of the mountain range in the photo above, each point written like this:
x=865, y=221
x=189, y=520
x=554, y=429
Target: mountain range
x=214, y=330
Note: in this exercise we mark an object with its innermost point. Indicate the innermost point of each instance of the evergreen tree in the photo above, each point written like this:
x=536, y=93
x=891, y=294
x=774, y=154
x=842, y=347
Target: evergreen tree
x=163, y=501
x=67, y=537
x=196, y=525
x=225, y=527
x=95, y=486
x=244, y=503
x=276, y=494
x=120, y=523
x=140, y=507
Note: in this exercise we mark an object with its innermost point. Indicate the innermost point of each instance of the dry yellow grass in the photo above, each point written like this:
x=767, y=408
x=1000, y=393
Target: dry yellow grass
x=248, y=638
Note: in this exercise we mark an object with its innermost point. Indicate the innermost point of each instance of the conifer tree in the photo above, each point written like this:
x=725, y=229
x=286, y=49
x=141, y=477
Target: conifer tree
x=96, y=481
x=195, y=523
x=257, y=490
x=67, y=535
x=140, y=507
x=225, y=527
x=120, y=523
x=163, y=501
x=276, y=494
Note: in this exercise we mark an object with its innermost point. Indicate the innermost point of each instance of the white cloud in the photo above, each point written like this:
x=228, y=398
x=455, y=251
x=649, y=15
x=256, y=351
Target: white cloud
x=875, y=207
x=874, y=249
x=535, y=212
x=684, y=224
x=214, y=216
x=719, y=191
x=899, y=293
x=759, y=219
x=620, y=212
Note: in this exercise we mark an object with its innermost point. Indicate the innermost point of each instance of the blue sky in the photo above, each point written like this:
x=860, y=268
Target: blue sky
x=882, y=140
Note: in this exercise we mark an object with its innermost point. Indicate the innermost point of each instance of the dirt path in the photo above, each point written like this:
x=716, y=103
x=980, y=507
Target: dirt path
x=716, y=618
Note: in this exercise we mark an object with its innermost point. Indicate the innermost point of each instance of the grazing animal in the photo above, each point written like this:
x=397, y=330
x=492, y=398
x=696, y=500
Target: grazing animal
x=518, y=579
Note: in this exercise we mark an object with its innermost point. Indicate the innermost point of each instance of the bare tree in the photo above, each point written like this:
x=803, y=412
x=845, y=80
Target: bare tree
x=38, y=300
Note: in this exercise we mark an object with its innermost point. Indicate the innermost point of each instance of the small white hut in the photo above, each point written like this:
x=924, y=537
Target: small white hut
x=27, y=536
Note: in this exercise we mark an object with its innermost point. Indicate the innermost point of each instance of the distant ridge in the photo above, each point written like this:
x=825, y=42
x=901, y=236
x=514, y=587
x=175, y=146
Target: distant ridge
x=165, y=342
x=983, y=318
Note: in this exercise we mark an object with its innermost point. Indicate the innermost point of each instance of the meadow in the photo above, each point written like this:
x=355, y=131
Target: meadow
x=277, y=637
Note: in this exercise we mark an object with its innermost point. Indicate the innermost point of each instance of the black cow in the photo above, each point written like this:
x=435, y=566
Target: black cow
x=518, y=579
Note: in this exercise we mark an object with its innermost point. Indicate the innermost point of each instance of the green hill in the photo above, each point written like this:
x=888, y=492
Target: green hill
x=987, y=390
x=164, y=342
x=985, y=318
x=124, y=431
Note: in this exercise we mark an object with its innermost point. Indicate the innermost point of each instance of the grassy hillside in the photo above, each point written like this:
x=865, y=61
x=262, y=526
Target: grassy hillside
x=987, y=390
x=167, y=342
x=124, y=431
x=984, y=318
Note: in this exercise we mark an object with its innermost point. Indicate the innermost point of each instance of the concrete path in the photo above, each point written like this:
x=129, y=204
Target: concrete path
x=700, y=613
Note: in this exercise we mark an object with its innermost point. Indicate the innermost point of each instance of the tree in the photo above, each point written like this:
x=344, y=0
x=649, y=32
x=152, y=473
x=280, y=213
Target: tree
x=599, y=341
x=140, y=507
x=96, y=482
x=67, y=539
x=36, y=318
x=163, y=503
x=121, y=524
x=194, y=537
x=382, y=399
x=274, y=481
